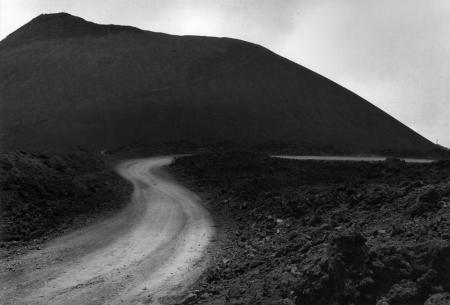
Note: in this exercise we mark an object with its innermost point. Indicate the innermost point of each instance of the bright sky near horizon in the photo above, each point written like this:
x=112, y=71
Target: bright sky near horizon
x=395, y=54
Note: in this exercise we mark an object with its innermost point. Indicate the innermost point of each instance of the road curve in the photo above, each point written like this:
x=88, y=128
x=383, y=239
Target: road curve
x=151, y=250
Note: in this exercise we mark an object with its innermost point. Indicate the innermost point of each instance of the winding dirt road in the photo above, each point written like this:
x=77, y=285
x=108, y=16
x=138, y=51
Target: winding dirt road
x=151, y=250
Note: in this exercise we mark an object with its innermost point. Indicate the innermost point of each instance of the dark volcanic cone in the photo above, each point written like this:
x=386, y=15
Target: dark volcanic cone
x=66, y=82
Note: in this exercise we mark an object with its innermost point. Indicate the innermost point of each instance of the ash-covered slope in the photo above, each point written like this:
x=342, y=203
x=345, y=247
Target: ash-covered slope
x=66, y=82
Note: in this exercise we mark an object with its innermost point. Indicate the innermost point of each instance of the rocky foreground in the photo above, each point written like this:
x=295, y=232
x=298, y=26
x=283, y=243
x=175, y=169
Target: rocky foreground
x=320, y=233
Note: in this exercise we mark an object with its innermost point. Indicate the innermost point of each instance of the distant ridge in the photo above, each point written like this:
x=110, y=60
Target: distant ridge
x=90, y=85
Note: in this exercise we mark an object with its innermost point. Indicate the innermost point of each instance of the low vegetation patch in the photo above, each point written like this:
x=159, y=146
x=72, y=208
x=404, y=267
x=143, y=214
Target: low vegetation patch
x=321, y=232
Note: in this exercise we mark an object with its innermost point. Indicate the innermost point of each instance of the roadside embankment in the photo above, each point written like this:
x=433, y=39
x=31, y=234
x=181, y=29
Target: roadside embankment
x=42, y=193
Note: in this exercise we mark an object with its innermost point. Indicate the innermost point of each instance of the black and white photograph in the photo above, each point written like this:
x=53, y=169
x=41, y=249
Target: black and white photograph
x=225, y=152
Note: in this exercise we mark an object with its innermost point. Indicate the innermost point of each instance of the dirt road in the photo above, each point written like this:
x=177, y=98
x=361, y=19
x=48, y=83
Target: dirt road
x=350, y=158
x=154, y=248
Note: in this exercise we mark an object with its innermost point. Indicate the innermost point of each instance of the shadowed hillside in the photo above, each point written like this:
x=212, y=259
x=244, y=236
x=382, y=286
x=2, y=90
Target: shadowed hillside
x=66, y=82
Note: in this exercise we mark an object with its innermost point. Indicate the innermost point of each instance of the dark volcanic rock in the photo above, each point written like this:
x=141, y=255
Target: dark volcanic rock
x=41, y=192
x=341, y=275
x=428, y=201
x=316, y=233
x=438, y=299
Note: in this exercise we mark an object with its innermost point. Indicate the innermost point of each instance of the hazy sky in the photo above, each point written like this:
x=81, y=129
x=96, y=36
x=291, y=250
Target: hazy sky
x=394, y=53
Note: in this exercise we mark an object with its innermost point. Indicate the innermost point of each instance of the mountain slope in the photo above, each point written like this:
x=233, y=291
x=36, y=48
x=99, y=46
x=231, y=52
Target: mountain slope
x=66, y=82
